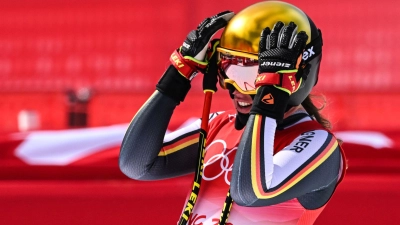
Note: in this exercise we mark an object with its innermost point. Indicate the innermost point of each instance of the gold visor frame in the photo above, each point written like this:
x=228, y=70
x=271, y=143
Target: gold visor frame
x=233, y=83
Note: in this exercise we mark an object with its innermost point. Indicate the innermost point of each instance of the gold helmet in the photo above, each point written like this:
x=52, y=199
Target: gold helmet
x=241, y=37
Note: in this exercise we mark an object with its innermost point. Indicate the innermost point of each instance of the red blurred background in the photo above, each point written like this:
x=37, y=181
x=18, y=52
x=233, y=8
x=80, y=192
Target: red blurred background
x=100, y=61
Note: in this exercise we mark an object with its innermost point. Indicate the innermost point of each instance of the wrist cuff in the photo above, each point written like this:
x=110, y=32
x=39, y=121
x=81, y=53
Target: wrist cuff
x=187, y=66
x=174, y=84
x=270, y=101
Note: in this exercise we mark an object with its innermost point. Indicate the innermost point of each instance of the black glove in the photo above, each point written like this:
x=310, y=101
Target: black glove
x=190, y=58
x=194, y=48
x=210, y=78
x=280, y=52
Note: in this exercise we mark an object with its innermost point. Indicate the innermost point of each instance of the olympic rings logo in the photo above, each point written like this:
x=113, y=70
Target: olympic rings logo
x=224, y=162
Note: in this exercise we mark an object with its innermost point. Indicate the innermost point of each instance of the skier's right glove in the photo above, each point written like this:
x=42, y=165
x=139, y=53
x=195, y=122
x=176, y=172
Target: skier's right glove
x=191, y=58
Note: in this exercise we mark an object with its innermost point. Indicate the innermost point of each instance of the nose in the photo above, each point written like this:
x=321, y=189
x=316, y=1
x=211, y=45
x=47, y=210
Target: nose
x=236, y=92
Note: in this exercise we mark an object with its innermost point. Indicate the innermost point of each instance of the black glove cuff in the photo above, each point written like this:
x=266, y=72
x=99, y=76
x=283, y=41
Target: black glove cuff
x=270, y=101
x=174, y=85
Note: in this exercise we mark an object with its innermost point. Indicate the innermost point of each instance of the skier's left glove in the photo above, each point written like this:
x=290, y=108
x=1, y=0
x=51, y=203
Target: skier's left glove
x=190, y=58
x=280, y=52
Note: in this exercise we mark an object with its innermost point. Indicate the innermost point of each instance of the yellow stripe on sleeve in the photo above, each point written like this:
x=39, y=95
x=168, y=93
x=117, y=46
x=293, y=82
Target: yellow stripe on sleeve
x=179, y=147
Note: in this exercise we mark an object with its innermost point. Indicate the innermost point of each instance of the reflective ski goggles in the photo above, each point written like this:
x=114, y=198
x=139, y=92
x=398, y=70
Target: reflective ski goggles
x=240, y=72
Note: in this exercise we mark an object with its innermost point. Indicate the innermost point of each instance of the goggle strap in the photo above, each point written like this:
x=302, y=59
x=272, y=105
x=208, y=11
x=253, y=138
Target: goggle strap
x=313, y=49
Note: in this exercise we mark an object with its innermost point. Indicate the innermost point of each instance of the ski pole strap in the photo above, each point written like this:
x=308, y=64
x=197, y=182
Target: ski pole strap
x=227, y=208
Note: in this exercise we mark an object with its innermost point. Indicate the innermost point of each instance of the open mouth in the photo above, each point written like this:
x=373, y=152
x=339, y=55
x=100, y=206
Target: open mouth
x=244, y=104
x=243, y=107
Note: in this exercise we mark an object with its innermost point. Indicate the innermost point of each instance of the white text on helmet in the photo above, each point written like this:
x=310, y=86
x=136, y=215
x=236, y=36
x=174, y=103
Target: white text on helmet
x=307, y=54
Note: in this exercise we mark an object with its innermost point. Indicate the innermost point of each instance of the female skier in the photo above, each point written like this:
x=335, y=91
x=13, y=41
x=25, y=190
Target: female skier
x=273, y=160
